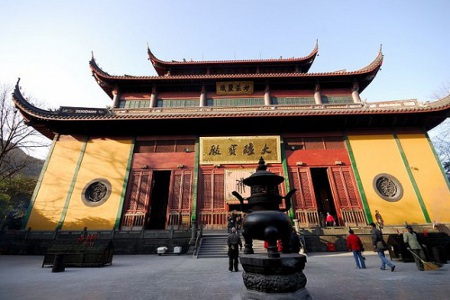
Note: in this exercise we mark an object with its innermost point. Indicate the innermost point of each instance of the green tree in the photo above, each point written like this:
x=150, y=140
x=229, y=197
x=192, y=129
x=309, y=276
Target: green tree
x=18, y=174
x=15, y=195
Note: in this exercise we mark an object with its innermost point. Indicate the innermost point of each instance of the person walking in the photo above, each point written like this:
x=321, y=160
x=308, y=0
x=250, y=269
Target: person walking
x=355, y=245
x=234, y=244
x=379, y=246
x=411, y=241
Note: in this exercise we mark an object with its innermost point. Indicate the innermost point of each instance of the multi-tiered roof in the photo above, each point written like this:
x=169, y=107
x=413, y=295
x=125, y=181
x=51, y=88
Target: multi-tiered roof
x=280, y=73
x=186, y=97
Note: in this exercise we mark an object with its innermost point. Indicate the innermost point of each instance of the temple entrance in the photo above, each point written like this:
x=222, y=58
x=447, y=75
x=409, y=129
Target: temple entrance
x=158, y=199
x=324, y=197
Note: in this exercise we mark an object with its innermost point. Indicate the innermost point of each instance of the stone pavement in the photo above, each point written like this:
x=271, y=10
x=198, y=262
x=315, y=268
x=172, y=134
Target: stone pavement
x=330, y=276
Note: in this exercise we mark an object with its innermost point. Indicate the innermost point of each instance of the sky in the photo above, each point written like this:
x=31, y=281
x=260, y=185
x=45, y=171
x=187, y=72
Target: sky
x=48, y=43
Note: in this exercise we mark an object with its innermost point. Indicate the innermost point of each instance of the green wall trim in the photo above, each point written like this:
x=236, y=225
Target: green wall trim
x=195, y=180
x=411, y=177
x=287, y=183
x=72, y=184
x=125, y=184
x=365, y=203
x=39, y=182
x=436, y=156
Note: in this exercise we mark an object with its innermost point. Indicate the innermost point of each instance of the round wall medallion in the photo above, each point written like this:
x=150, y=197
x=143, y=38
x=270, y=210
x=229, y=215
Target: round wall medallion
x=388, y=187
x=96, y=192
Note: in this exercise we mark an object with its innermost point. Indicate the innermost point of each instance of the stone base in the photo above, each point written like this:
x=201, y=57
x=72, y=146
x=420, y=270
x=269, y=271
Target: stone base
x=272, y=276
x=301, y=294
x=274, y=283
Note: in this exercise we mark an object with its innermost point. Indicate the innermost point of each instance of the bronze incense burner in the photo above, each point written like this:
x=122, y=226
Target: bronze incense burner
x=264, y=220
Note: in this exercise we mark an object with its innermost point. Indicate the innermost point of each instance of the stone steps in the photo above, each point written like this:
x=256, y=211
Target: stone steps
x=215, y=245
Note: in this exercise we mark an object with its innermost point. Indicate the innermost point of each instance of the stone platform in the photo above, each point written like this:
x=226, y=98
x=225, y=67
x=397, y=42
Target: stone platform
x=143, y=277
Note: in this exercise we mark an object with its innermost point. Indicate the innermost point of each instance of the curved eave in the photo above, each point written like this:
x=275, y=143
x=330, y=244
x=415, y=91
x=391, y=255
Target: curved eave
x=32, y=115
x=99, y=76
x=162, y=66
x=122, y=121
x=375, y=65
x=364, y=76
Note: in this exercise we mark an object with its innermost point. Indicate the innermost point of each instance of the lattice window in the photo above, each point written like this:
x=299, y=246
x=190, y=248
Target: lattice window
x=308, y=195
x=185, y=201
x=334, y=142
x=185, y=146
x=351, y=189
x=145, y=147
x=205, y=201
x=337, y=99
x=235, y=101
x=177, y=102
x=143, y=191
x=138, y=191
x=176, y=192
x=340, y=188
x=294, y=144
x=345, y=188
x=314, y=143
x=135, y=206
x=212, y=194
x=219, y=194
x=165, y=146
x=292, y=100
x=130, y=205
x=134, y=104
x=161, y=146
x=181, y=190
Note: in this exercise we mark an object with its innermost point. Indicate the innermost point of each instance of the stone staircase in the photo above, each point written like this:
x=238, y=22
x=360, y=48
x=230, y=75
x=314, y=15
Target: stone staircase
x=213, y=245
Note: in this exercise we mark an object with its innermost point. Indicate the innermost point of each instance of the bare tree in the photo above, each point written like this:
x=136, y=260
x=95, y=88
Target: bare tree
x=440, y=135
x=17, y=139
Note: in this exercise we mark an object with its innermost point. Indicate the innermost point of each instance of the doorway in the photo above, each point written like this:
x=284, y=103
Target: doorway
x=324, y=197
x=159, y=198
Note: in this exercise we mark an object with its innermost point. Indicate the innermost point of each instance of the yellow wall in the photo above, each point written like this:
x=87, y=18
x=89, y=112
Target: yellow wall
x=432, y=184
x=103, y=158
x=379, y=153
x=52, y=194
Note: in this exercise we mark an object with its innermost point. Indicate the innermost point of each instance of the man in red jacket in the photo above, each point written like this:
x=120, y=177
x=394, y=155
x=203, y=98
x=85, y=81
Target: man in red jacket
x=355, y=245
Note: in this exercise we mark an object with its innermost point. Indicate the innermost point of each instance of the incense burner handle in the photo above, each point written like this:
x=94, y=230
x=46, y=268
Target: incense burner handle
x=240, y=198
x=287, y=198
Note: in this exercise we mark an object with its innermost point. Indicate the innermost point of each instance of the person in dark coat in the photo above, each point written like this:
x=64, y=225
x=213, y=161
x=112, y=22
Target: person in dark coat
x=295, y=242
x=379, y=245
x=234, y=245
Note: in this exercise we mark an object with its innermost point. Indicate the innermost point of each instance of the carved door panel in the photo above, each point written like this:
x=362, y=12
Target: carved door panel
x=346, y=197
x=211, y=204
x=304, y=200
x=180, y=199
x=135, y=211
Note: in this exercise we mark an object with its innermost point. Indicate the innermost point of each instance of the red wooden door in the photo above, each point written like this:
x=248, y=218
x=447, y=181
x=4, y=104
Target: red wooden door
x=135, y=212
